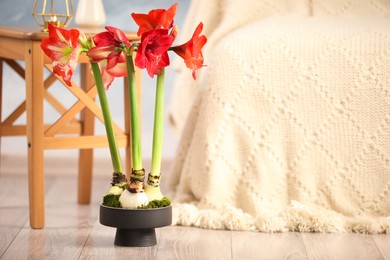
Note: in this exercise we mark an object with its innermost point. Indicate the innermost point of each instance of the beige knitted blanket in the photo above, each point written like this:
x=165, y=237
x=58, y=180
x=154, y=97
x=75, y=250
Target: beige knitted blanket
x=290, y=125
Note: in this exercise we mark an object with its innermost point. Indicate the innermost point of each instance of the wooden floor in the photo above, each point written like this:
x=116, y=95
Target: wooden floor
x=74, y=232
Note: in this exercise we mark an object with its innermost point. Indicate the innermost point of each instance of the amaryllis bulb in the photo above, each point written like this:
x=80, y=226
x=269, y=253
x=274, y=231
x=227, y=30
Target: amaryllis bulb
x=153, y=193
x=130, y=200
x=115, y=190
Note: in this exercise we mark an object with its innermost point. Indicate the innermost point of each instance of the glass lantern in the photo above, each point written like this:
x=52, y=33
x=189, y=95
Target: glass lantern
x=57, y=12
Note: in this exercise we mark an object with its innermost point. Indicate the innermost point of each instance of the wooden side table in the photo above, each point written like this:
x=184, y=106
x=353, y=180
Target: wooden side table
x=23, y=44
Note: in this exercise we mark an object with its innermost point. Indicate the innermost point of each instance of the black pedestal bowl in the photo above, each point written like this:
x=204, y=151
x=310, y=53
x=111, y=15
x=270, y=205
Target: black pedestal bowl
x=135, y=227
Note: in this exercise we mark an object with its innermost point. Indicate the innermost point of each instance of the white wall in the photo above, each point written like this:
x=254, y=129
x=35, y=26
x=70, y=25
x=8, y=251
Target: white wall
x=18, y=13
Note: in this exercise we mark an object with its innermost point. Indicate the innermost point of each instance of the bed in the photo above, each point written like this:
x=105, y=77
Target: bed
x=288, y=127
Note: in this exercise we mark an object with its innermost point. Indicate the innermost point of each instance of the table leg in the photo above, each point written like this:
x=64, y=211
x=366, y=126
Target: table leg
x=35, y=140
x=86, y=155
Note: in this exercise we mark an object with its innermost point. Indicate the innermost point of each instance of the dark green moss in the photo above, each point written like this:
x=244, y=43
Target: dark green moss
x=164, y=202
x=111, y=200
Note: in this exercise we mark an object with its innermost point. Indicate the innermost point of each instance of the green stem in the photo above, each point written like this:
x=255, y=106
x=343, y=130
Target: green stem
x=158, y=125
x=114, y=151
x=134, y=116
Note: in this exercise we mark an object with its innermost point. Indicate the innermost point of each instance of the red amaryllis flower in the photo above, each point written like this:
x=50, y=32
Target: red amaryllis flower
x=63, y=48
x=109, y=45
x=152, y=52
x=155, y=19
x=191, y=51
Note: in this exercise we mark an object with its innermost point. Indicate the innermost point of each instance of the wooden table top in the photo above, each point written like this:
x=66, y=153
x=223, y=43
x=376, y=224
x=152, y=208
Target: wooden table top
x=35, y=33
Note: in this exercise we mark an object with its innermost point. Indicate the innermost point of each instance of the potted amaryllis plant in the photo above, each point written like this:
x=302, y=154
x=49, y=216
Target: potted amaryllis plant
x=132, y=205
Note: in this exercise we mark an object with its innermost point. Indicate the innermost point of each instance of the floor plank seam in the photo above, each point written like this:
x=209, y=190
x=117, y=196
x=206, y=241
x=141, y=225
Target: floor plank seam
x=86, y=241
x=304, y=245
x=231, y=246
x=377, y=247
x=14, y=238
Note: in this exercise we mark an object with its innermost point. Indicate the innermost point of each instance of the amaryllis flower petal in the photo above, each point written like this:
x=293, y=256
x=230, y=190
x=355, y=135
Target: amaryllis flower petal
x=152, y=51
x=115, y=58
x=107, y=78
x=63, y=48
x=103, y=39
x=155, y=19
x=120, y=70
x=100, y=53
x=113, y=36
x=191, y=51
x=118, y=35
x=108, y=75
